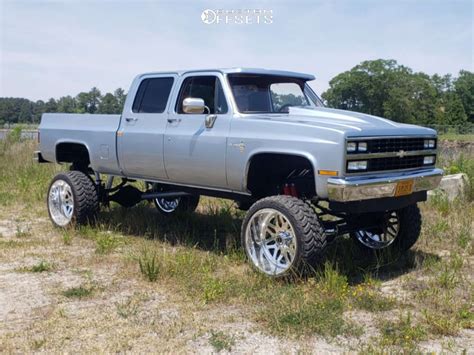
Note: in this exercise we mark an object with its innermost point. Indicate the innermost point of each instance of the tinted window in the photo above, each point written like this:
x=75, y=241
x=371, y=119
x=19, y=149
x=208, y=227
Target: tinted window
x=152, y=95
x=208, y=88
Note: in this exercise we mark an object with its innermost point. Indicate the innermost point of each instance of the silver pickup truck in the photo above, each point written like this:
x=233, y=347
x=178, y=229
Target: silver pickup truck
x=260, y=137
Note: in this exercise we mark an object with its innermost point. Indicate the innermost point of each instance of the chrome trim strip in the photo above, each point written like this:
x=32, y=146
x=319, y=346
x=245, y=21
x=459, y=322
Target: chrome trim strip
x=381, y=172
x=358, y=138
x=353, y=189
x=409, y=153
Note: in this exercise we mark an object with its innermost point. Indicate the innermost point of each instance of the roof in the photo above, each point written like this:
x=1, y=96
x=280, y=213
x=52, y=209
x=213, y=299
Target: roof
x=243, y=71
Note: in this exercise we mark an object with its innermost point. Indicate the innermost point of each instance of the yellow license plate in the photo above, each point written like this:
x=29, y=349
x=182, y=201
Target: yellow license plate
x=404, y=188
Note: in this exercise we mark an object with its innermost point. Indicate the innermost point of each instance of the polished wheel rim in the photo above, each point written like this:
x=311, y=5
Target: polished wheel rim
x=383, y=236
x=167, y=205
x=270, y=241
x=61, y=202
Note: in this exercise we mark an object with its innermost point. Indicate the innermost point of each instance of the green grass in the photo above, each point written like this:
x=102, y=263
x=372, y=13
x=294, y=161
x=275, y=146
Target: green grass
x=78, y=292
x=199, y=258
x=149, y=265
x=404, y=332
x=457, y=137
x=221, y=341
x=42, y=266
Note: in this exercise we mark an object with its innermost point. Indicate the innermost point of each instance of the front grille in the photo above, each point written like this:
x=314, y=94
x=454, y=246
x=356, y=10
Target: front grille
x=387, y=145
x=390, y=153
x=395, y=163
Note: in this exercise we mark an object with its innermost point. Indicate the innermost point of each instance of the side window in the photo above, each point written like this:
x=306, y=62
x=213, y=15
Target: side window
x=208, y=88
x=287, y=94
x=152, y=95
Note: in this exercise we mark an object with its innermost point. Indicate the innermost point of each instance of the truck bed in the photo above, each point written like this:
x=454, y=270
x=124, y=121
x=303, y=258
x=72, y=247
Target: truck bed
x=96, y=131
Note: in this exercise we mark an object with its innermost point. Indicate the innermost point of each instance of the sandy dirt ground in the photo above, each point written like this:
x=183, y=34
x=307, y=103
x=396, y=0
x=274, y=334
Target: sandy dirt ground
x=126, y=313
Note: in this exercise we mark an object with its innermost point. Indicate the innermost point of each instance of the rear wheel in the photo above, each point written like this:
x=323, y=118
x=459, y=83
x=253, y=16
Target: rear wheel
x=175, y=205
x=72, y=199
x=282, y=236
x=395, y=231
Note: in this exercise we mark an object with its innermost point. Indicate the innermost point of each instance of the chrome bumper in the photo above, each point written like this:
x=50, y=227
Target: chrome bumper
x=364, y=188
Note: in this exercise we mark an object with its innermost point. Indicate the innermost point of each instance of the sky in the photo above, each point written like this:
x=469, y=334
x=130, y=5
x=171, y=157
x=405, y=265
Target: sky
x=57, y=48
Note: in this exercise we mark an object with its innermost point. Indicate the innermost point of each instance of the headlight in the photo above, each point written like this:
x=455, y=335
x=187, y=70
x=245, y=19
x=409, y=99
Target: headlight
x=429, y=160
x=357, y=165
x=362, y=147
x=429, y=143
x=351, y=147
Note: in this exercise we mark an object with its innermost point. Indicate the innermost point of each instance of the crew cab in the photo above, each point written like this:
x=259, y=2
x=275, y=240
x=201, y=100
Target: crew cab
x=260, y=137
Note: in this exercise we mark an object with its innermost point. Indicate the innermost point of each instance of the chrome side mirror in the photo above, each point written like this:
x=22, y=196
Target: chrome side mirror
x=194, y=105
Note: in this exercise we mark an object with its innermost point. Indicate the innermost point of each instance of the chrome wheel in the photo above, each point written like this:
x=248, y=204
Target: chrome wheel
x=383, y=236
x=270, y=241
x=61, y=202
x=166, y=204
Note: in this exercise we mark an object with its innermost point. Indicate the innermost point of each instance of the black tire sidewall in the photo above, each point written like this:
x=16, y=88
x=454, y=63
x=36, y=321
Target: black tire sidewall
x=65, y=178
x=84, y=211
x=298, y=262
x=410, y=228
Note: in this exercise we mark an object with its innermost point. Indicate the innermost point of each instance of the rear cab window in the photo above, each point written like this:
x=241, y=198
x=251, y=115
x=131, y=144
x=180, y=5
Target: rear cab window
x=152, y=95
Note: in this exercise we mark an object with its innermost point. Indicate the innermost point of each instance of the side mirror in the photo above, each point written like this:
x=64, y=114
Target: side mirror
x=194, y=105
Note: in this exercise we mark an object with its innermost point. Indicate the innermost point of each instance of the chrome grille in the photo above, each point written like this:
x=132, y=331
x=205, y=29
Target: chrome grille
x=390, y=153
x=394, y=145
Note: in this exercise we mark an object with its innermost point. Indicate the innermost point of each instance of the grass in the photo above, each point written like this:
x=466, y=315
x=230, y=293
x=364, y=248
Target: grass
x=149, y=266
x=198, y=258
x=42, y=266
x=404, y=332
x=457, y=137
x=221, y=341
x=78, y=292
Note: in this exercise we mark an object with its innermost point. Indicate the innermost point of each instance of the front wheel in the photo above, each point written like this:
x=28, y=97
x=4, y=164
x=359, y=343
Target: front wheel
x=282, y=235
x=396, y=231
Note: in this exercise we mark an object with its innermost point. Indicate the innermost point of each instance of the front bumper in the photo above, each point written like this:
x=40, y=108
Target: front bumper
x=365, y=188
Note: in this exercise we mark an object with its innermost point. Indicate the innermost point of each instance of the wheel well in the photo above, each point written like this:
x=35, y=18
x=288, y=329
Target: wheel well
x=269, y=172
x=75, y=153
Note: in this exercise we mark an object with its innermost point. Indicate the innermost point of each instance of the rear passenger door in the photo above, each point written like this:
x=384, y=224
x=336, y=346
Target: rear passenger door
x=142, y=128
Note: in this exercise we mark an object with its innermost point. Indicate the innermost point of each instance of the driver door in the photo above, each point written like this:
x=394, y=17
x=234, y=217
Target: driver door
x=194, y=154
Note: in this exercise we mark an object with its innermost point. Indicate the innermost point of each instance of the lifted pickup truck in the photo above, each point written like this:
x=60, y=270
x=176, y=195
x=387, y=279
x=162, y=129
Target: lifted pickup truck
x=260, y=137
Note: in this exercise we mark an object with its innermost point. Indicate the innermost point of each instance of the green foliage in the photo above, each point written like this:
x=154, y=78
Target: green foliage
x=20, y=110
x=42, y=266
x=388, y=89
x=14, y=136
x=221, y=341
x=402, y=332
x=78, y=292
x=464, y=88
x=149, y=265
x=105, y=243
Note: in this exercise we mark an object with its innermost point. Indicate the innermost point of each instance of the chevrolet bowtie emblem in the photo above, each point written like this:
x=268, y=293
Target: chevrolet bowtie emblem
x=401, y=153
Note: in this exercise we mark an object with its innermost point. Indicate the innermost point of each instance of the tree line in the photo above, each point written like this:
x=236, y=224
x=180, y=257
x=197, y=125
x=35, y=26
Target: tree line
x=378, y=87
x=387, y=89
x=20, y=110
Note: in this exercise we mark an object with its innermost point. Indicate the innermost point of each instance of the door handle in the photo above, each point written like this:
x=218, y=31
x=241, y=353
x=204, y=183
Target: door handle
x=171, y=120
x=131, y=119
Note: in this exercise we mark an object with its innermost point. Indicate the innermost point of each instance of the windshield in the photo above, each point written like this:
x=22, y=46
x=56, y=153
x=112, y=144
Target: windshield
x=270, y=93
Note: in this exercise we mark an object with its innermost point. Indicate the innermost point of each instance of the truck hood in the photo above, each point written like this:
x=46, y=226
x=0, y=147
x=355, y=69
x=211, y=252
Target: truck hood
x=348, y=122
